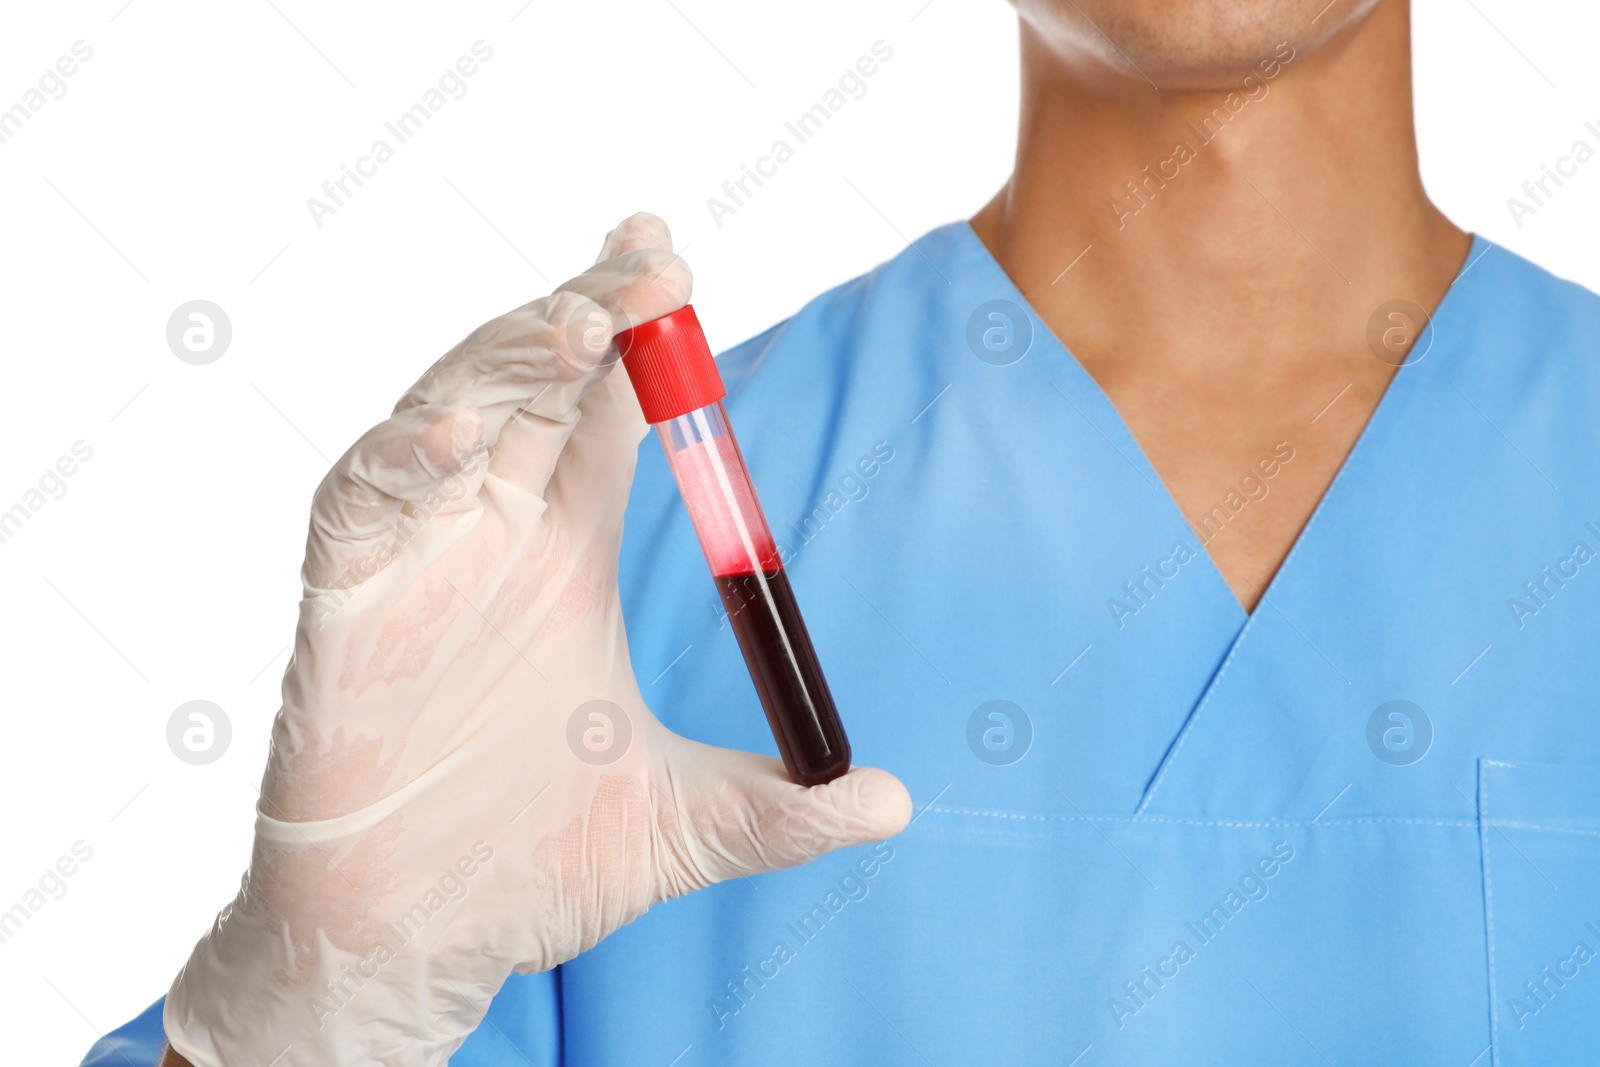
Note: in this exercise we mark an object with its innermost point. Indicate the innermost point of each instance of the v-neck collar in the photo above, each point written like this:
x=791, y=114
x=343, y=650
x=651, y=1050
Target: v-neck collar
x=1122, y=438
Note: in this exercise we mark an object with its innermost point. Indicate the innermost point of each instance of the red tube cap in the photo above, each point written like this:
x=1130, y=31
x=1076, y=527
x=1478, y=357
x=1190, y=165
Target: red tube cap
x=670, y=365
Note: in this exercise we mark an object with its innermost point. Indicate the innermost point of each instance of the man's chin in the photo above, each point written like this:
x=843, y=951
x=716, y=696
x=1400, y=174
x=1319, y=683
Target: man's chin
x=1187, y=44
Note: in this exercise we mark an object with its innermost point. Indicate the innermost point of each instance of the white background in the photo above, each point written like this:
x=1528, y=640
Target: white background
x=177, y=167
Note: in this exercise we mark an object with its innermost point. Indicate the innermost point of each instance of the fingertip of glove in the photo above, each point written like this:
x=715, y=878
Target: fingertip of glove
x=879, y=797
x=639, y=230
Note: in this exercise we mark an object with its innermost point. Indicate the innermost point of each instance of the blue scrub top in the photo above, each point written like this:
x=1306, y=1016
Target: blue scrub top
x=1359, y=826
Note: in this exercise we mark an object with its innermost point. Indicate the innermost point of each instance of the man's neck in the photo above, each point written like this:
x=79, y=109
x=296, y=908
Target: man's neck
x=1261, y=222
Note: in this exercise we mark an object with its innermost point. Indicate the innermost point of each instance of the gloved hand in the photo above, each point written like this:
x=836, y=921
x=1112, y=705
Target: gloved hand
x=464, y=778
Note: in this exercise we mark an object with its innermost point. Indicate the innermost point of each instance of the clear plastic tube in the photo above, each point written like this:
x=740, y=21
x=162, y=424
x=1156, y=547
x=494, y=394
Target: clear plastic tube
x=761, y=607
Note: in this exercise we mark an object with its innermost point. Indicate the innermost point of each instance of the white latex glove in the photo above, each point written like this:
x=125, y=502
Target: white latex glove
x=426, y=824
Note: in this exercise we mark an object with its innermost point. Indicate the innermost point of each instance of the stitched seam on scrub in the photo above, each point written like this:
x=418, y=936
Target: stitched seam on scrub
x=1359, y=820
x=1512, y=824
x=1488, y=910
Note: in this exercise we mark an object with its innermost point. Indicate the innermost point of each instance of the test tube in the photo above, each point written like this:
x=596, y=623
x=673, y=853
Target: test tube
x=681, y=392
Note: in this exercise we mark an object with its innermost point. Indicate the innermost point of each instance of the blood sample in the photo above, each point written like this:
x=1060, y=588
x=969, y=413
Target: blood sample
x=681, y=393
